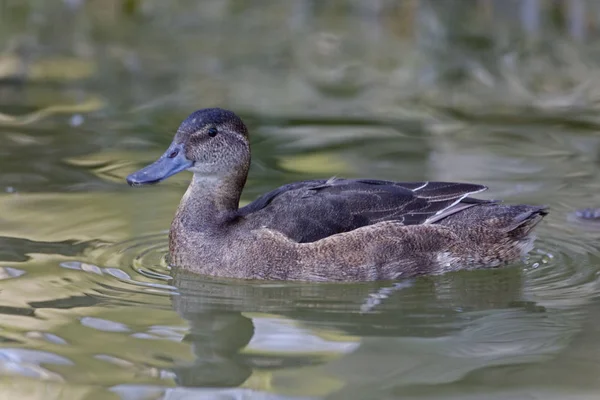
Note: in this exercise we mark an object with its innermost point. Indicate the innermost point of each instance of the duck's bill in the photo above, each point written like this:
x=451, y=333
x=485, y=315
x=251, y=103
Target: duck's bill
x=170, y=163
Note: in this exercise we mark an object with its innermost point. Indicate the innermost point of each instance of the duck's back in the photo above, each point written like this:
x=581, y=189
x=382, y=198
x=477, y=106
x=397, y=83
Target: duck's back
x=308, y=211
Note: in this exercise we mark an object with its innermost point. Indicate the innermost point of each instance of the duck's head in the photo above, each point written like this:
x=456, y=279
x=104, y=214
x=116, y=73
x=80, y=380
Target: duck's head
x=211, y=142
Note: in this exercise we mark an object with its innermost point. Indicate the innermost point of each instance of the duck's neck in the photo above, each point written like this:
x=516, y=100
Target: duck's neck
x=210, y=199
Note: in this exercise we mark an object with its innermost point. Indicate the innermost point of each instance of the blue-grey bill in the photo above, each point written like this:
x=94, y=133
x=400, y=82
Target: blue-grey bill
x=170, y=163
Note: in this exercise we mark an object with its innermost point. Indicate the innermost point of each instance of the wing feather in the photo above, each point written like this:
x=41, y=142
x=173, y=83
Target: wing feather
x=311, y=210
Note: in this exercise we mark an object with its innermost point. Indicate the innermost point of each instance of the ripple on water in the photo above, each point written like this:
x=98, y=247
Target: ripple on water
x=140, y=262
x=557, y=270
x=28, y=363
x=464, y=321
x=562, y=271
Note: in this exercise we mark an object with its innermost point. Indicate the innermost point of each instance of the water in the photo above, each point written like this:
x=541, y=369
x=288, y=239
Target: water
x=91, y=310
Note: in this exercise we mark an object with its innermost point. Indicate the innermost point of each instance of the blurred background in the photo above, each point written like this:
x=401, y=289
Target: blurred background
x=499, y=92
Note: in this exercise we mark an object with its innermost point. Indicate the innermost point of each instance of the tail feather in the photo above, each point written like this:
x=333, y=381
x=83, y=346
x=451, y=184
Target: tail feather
x=524, y=222
x=494, y=234
x=488, y=222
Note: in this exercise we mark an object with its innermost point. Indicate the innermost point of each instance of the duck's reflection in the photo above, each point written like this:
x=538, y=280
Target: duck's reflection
x=216, y=339
x=312, y=339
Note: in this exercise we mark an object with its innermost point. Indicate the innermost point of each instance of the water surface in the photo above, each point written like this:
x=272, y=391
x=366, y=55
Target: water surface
x=91, y=310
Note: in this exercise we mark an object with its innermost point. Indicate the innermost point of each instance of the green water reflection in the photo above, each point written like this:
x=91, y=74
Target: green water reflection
x=482, y=91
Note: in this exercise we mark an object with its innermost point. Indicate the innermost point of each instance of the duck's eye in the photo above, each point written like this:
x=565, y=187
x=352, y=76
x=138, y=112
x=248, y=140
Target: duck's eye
x=212, y=132
x=173, y=154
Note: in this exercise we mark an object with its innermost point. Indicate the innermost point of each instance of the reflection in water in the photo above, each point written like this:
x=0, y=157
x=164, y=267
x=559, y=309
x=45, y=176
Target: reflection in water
x=216, y=341
x=435, y=331
x=113, y=307
x=495, y=92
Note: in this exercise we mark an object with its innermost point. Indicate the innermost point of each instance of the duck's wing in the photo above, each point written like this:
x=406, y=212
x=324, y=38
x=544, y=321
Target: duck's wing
x=311, y=210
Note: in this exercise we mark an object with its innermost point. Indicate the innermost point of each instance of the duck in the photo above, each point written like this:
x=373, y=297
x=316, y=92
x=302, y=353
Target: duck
x=324, y=230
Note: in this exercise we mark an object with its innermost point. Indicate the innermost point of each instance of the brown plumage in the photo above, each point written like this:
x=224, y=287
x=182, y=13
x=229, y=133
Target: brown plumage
x=325, y=230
